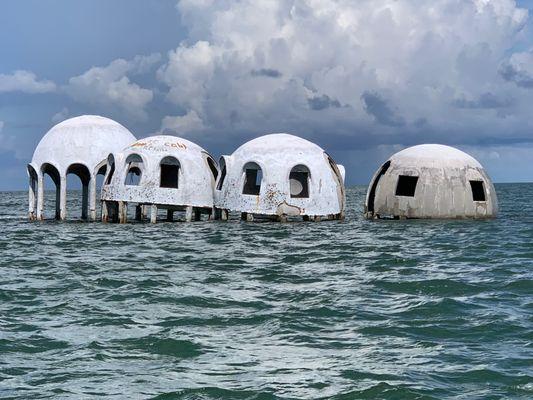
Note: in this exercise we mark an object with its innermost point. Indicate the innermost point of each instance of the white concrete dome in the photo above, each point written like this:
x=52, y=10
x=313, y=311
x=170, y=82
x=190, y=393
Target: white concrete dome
x=86, y=140
x=431, y=181
x=76, y=146
x=161, y=170
x=281, y=175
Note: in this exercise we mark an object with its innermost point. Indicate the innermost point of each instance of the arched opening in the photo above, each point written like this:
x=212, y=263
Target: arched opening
x=111, y=165
x=299, y=182
x=222, y=164
x=252, y=179
x=83, y=173
x=134, y=168
x=170, y=169
x=48, y=170
x=213, y=167
x=338, y=179
x=373, y=188
x=32, y=192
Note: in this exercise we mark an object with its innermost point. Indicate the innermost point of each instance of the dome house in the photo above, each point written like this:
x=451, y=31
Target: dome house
x=159, y=172
x=76, y=146
x=431, y=181
x=278, y=176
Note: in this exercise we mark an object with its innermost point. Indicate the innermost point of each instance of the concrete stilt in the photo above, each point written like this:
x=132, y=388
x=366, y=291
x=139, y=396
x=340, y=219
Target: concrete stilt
x=92, y=198
x=224, y=215
x=105, y=213
x=61, y=193
x=40, y=197
x=31, y=198
x=122, y=212
x=249, y=217
x=153, y=214
x=188, y=213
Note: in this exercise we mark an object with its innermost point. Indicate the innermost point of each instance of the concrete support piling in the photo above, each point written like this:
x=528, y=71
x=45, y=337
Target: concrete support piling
x=153, y=214
x=188, y=213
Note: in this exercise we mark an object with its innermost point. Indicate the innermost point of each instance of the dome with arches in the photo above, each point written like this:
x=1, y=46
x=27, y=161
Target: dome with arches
x=431, y=181
x=281, y=175
x=76, y=146
x=164, y=171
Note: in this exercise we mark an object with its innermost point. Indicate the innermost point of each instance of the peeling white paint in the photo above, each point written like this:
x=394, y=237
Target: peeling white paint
x=443, y=189
x=277, y=155
x=195, y=177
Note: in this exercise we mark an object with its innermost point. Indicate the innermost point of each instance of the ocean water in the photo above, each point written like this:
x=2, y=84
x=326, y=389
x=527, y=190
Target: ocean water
x=214, y=310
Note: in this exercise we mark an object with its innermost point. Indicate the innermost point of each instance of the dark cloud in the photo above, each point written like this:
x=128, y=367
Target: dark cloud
x=268, y=72
x=521, y=78
x=379, y=108
x=322, y=102
x=485, y=101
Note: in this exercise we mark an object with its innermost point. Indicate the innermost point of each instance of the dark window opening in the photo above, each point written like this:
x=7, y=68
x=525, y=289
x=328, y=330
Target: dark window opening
x=133, y=178
x=372, y=195
x=478, y=190
x=134, y=163
x=299, y=182
x=406, y=185
x=169, y=176
x=253, y=178
x=170, y=169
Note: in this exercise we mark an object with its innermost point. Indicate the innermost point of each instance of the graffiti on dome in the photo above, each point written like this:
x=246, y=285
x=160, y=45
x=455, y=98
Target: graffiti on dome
x=159, y=147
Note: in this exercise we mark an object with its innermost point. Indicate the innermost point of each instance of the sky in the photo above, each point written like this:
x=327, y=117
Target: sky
x=363, y=79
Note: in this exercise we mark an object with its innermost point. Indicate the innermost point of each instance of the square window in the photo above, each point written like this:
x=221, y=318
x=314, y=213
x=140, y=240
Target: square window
x=478, y=190
x=406, y=185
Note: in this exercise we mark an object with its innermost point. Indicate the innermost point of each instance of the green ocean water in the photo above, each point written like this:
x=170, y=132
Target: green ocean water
x=235, y=310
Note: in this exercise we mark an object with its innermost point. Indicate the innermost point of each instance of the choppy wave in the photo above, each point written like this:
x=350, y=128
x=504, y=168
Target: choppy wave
x=212, y=310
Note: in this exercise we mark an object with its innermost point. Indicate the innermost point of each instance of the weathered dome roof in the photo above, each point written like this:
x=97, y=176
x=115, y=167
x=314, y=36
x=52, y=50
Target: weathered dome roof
x=277, y=143
x=437, y=155
x=87, y=139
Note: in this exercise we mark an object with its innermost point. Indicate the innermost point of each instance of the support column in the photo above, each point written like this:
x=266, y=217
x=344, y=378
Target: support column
x=31, y=199
x=170, y=215
x=282, y=218
x=92, y=198
x=61, y=209
x=105, y=212
x=122, y=212
x=224, y=215
x=84, y=200
x=153, y=214
x=40, y=196
x=188, y=214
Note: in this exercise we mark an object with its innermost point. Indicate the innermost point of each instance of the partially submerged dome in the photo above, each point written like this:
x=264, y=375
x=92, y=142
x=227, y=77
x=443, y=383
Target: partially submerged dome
x=162, y=171
x=431, y=181
x=281, y=175
x=80, y=146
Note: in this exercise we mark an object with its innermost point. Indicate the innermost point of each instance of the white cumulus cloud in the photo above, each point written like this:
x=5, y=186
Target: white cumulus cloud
x=392, y=68
x=25, y=81
x=182, y=125
x=111, y=85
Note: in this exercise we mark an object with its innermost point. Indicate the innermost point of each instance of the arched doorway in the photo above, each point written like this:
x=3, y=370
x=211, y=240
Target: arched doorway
x=50, y=171
x=82, y=172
